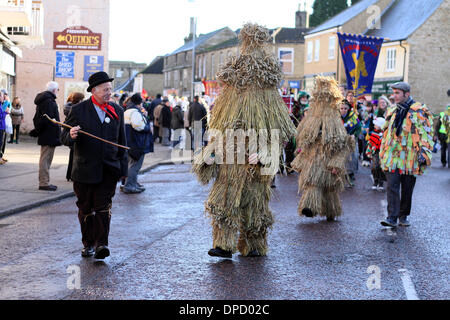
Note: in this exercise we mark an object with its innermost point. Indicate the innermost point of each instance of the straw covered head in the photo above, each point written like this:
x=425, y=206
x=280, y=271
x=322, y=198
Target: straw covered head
x=253, y=36
x=255, y=67
x=327, y=90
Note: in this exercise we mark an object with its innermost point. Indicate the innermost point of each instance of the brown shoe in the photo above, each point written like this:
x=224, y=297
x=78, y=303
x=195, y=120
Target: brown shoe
x=2, y=161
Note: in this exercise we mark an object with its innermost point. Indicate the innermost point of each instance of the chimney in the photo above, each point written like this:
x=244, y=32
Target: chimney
x=191, y=31
x=302, y=17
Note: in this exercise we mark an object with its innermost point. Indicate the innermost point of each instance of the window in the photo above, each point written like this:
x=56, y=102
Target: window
x=204, y=67
x=390, y=59
x=119, y=73
x=199, y=65
x=286, y=56
x=310, y=51
x=317, y=50
x=331, y=47
x=212, y=67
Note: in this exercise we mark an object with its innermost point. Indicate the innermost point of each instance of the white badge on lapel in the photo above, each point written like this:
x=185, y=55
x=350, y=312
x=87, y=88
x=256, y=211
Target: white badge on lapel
x=107, y=120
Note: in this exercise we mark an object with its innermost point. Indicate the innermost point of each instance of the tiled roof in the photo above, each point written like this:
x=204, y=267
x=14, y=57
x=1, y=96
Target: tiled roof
x=155, y=67
x=403, y=18
x=344, y=16
x=198, y=41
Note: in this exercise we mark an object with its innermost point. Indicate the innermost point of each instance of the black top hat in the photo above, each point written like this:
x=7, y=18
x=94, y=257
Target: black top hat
x=97, y=79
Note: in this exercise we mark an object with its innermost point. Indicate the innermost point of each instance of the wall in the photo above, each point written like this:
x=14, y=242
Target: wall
x=153, y=84
x=429, y=65
x=35, y=68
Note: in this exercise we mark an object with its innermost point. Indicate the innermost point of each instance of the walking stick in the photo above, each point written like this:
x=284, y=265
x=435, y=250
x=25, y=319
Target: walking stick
x=86, y=133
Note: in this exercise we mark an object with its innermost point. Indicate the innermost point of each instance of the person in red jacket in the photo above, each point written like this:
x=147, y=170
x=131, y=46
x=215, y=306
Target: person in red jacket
x=373, y=153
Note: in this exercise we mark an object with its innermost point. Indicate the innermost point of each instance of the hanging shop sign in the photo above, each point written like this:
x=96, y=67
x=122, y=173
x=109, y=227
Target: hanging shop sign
x=77, y=38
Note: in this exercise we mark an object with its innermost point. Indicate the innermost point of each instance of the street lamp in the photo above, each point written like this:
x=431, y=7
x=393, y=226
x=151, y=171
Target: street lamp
x=194, y=23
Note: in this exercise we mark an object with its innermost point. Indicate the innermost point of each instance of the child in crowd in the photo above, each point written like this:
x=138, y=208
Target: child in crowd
x=373, y=152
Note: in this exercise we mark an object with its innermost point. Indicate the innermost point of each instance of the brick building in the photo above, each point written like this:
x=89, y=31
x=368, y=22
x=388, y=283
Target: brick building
x=76, y=35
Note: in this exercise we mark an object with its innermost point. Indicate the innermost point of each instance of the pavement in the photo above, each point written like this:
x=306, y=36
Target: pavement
x=19, y=176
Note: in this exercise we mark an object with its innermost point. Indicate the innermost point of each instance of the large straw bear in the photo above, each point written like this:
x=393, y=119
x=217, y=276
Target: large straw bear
x=324, y=149
x=249, y=100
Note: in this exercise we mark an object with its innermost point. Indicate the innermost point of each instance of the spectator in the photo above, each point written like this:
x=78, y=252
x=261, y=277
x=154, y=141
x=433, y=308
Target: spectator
x=139, y=139
x=153, y=105
x=383, y=105
x=197, y=112
x=73, y=99
x=165, y=120
x=48, y=132
x=4, y=110
x=17, y=118
x=373, y=153
x=353, y=127
x=157, y=129
x=177, y=121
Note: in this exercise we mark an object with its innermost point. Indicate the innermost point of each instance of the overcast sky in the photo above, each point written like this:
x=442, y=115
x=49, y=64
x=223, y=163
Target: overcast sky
x=140, y=30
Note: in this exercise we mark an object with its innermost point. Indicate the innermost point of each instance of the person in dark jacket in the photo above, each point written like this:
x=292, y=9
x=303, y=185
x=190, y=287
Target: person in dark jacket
x=48, y=132
x=73, y=99
x=97, y=166
x=197, y=112
x=177, y=121
x=153, y=105
x=165, y=120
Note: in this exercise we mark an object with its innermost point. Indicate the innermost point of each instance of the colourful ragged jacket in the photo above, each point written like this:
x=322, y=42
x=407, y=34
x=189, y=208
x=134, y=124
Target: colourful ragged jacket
x=411, y=151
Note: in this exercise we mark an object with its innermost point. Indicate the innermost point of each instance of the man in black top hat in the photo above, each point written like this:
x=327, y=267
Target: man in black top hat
x=97, y=166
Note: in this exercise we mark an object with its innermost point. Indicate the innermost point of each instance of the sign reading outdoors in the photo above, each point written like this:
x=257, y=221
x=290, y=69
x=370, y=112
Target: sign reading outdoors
x=92, y=64
x=65, y=64
x=77, y=38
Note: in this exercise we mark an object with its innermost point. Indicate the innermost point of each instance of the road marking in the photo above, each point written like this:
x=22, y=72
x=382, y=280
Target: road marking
x=410, y=290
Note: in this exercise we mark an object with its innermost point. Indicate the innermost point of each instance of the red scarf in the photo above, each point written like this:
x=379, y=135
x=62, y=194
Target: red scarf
x=109, y=110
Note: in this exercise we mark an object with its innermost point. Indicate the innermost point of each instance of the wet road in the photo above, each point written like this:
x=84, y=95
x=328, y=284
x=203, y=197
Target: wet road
x=159, y=242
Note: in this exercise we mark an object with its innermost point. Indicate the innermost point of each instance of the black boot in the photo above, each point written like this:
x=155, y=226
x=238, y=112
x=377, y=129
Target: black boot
x=307, y=213
x=219, y=252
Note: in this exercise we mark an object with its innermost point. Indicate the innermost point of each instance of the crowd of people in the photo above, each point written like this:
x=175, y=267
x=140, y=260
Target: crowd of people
x=139, y=123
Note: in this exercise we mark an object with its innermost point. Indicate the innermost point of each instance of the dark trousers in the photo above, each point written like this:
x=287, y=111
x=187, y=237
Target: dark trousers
x=16, y=132
x=156, y=134
x=2, y=144
x=399, y=190
x=94, y=209
x=444, y=146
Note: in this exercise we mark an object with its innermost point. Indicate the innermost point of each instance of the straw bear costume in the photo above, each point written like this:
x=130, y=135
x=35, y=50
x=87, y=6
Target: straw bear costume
x=324, y=150
x=250, y=103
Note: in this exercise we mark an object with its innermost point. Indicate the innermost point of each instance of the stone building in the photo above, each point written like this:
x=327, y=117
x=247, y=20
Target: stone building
x=21, y=24
x=178, y=64
x=322, y=52
x=76, y=35
x=415, y=49
x=153, y=77
x=287, y=45
x=124, y=72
